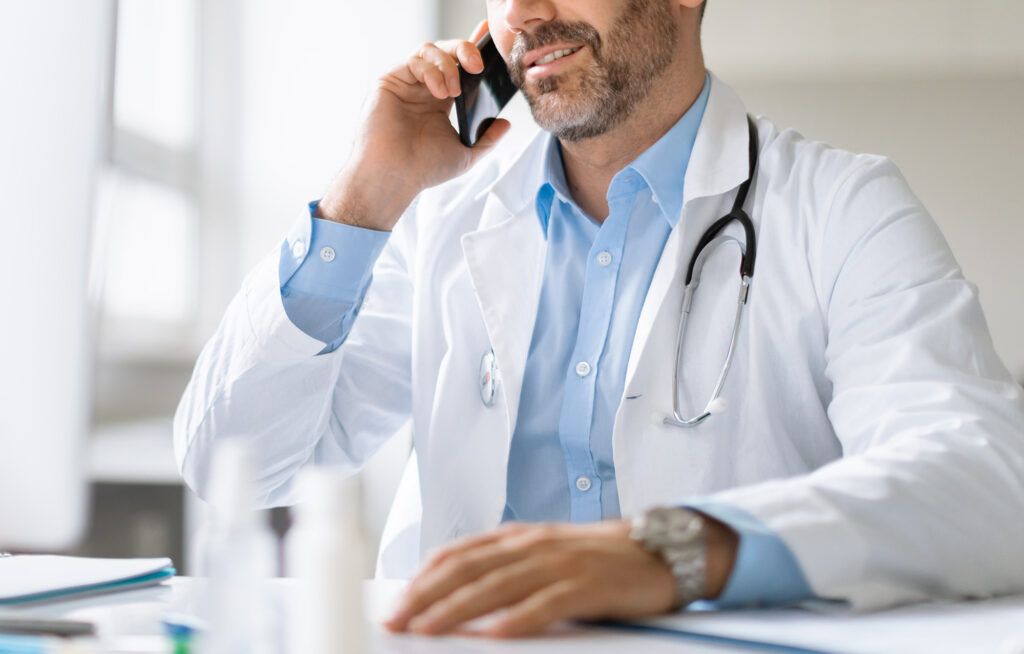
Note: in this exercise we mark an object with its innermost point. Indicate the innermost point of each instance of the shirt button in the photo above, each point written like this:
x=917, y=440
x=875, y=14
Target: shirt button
x=583, y=483
x=604, y=258
x=327, y=253
x=582, y=368
x=298, y=249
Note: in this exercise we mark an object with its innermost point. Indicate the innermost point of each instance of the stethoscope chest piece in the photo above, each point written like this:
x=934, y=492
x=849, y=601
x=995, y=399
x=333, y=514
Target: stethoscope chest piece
x=488, y=378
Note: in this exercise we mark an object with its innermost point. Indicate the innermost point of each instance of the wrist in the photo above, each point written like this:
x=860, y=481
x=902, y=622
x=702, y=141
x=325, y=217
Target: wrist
x=721, y=543
x=699, y=551
x=365, y=197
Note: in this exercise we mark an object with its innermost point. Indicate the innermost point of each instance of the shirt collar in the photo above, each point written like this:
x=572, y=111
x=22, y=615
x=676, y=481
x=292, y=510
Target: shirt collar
x=662, y=166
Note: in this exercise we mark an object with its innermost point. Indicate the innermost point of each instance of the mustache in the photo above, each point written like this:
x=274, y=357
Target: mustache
x=554, y=32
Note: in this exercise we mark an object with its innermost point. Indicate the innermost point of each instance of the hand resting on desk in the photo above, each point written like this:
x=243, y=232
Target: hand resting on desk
x=547, y=573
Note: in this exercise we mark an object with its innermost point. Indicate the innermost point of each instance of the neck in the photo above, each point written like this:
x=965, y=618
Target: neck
x=591, y=164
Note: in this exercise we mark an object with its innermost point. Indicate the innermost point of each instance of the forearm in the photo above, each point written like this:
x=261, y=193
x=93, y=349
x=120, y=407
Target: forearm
x=368, y=196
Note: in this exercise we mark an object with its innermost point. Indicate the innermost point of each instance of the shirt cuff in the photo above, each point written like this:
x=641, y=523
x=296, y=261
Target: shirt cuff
x=329, y=259
x=765, y=572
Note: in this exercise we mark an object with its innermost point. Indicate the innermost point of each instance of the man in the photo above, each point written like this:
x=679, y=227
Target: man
x=869, y=445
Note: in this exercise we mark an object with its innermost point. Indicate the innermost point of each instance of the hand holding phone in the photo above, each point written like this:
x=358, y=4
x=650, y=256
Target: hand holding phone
x=484, y=94
x=406, y=142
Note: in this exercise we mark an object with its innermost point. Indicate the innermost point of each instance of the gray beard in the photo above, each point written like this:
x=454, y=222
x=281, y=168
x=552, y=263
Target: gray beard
x=623, y=70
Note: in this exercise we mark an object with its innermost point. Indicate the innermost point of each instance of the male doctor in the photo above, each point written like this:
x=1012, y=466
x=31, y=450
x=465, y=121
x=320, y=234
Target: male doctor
x=870, y=447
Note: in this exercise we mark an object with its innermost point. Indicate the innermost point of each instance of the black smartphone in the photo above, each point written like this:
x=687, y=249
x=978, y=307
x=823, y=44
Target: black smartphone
x=483, y=95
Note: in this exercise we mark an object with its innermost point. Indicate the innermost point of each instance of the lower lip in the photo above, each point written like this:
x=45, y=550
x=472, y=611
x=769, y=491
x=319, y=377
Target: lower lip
x=543, y=70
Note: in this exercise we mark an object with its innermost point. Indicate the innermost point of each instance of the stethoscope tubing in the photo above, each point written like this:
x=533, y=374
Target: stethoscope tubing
x=488, y=374
x=710, y=240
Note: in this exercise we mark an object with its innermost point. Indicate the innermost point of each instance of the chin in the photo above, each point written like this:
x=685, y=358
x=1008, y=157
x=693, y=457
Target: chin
x=560, y=110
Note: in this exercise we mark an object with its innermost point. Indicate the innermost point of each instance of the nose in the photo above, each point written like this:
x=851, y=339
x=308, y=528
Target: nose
x=525, y=15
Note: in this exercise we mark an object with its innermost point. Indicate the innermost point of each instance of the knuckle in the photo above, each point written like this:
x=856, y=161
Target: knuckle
x=567, y=564
x=437, y=556
x=459, y=567
x=413, y=596
x=542, y=535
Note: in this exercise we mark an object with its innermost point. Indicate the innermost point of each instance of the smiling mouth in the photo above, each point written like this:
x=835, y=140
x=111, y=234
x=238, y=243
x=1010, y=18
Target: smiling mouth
x=555, y=56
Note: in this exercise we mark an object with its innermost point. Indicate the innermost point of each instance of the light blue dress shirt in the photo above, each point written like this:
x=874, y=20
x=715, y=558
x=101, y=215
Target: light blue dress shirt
x=595, y=280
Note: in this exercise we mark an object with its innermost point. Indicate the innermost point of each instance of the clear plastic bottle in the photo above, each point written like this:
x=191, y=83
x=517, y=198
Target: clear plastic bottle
x=239, y=557
x=326, y=552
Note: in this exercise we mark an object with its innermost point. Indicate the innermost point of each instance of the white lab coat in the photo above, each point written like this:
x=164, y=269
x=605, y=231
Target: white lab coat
x=870, y=423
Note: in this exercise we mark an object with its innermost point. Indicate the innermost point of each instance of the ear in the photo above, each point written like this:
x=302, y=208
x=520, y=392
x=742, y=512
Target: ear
x=690, y=4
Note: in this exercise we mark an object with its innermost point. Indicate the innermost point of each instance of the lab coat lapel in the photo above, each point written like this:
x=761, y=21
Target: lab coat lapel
x=505, y=258
x=718, y=164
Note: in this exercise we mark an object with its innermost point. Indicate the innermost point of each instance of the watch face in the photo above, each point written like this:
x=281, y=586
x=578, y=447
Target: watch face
x=676, y=536
x=661, y=527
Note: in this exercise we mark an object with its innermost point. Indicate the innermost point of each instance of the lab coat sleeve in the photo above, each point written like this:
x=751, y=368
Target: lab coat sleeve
x=928, y=499
x=263, y=379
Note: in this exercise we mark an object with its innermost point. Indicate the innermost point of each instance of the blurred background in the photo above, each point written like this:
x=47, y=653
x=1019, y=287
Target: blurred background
x=227, y=116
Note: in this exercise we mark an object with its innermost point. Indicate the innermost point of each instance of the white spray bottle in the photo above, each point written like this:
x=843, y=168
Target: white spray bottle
x=239, y=557
x=327, y=554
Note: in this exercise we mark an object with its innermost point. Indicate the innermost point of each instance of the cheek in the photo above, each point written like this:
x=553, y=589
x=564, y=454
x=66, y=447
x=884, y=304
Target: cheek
x=500, y=33
x=503, y=39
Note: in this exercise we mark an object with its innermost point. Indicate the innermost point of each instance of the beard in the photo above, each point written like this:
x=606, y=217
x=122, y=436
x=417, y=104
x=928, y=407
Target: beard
x=592, y=99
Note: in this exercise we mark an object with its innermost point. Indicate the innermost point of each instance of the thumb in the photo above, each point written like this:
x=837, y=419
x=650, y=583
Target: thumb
x=490, y=138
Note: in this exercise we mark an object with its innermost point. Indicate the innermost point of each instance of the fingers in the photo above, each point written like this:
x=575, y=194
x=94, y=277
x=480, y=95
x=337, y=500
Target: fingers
x=436, y=65
x=429, y=76
x=436, y=59
x=447, y=577
x=471, y=543
x=479, y=31
x=469, y=57
x=503, y=587
x=498, y=129
x=564, y=600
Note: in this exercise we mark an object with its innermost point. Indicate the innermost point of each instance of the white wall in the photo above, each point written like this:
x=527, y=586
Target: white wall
x=937, y=85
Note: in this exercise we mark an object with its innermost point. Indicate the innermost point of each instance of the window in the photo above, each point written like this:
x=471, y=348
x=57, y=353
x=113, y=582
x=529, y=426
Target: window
x=147, y=219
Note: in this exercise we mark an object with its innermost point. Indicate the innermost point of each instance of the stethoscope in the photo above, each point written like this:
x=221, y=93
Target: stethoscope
x=709, y=241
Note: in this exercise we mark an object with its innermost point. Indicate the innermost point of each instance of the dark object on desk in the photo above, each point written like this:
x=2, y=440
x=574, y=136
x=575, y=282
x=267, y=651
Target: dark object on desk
x=32, y=627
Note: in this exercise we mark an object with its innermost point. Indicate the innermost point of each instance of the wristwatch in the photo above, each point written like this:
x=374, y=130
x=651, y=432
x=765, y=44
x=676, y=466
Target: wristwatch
x=677, y=536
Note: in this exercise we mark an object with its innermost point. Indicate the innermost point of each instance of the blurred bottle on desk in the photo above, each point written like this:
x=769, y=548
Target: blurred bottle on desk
x=238, y=555
x=327, y=554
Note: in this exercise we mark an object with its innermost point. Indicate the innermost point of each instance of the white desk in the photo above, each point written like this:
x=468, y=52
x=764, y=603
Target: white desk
x=130, y=623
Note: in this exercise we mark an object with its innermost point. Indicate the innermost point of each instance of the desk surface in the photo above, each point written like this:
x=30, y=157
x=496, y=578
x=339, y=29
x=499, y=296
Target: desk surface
x=130, y=623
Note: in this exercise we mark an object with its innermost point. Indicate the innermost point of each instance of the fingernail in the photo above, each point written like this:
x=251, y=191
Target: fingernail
x=396, y=620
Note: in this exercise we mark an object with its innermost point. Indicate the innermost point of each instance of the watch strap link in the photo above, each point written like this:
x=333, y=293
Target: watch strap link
x=676, y=535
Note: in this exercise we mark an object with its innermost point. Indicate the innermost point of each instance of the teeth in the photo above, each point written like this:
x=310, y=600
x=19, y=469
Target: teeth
x=557, y=54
